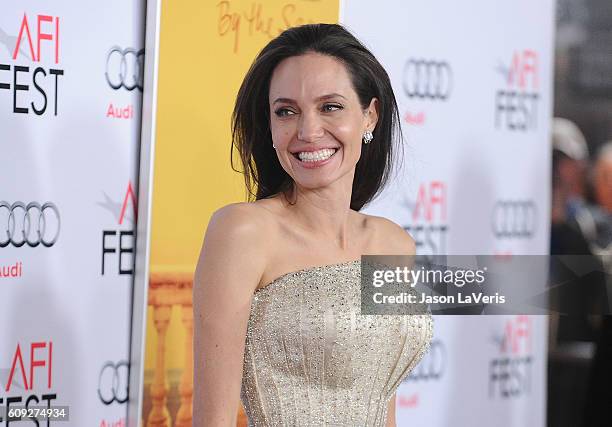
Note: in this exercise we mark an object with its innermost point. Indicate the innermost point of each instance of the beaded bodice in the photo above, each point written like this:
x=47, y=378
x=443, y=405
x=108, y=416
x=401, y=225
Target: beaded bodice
x=311, y=357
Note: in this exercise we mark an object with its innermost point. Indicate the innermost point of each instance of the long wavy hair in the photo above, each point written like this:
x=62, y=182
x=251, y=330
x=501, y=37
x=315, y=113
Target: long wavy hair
x=251, y=136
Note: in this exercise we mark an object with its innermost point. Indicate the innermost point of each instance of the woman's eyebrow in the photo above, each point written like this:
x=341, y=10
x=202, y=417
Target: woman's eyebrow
x=284, y=101
x=320, y=98
x=328, y=96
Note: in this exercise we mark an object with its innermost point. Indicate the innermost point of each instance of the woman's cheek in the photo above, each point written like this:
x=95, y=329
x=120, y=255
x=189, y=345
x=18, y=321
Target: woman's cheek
x=282, y=134
x=278, y=137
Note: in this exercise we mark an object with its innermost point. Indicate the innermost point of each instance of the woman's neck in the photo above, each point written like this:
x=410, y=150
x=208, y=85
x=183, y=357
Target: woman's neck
x=324, y=213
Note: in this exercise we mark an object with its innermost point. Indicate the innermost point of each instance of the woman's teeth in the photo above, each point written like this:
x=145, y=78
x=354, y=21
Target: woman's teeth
x=316, y=156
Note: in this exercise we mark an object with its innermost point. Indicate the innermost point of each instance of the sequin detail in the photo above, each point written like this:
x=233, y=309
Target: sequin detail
x=312, y=359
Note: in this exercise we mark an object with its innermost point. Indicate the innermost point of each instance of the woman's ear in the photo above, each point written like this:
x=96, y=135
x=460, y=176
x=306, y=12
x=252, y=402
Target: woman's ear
x=371, y=114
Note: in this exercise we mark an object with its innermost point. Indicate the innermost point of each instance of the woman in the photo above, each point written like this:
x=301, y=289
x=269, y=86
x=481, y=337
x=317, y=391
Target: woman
x=276, y=294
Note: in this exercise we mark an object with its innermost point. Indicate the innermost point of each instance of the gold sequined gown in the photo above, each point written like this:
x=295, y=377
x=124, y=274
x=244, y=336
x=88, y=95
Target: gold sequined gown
x=312, y=359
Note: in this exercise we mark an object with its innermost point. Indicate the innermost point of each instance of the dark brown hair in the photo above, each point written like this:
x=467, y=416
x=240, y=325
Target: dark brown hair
x=251, y=133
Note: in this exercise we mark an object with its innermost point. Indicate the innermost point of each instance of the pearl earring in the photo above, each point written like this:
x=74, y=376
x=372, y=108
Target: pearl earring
x=367, y=137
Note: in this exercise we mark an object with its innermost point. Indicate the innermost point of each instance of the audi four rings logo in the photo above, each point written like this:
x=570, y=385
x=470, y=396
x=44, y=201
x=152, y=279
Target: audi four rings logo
x=433, y=364
x=125, y=68
x=514, y=219
x=32, y=224
x=113, y=382
x=427, y=79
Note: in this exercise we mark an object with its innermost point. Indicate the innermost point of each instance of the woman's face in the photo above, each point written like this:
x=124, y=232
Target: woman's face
x=316, y=119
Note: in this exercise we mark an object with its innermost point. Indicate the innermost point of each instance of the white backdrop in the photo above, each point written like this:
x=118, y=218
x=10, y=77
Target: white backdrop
x=70, y=120
x=474, y=85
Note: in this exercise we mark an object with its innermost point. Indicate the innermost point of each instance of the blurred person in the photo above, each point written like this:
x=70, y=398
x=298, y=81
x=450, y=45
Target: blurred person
x=569, y=167
x=599, y=230
x=573, y=232
x=596, y=222
x=570, y=160
x=277, y=318
x=569, y=184
x=603, y=177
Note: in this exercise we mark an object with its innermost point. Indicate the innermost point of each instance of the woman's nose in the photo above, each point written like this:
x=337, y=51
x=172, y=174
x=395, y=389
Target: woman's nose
x=310, y=127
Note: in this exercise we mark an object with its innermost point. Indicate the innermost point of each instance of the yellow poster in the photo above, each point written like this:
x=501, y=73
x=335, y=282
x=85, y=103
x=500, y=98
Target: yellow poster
x=206, y=48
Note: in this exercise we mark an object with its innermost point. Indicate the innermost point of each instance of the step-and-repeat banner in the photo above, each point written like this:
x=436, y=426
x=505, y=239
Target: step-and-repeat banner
x=474, y=86
x=70, y=100
x=473, y=82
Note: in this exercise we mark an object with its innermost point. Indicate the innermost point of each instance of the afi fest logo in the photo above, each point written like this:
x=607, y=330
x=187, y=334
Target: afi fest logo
x=428, y=221
x=516, y=103
x=118, y=242
x=31, y=369
x=511, y=371
x=29, y=85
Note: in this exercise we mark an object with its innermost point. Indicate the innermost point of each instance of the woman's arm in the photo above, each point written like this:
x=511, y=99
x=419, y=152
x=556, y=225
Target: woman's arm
x=230, y=266
x=391, y=412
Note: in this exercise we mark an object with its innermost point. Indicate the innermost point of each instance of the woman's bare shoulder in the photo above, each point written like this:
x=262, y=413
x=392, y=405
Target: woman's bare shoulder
x=238, y=235
x=391, y=238
x=242, y=219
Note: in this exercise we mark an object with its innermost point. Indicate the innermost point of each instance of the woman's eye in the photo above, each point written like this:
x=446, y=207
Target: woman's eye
x=283, y=112
x=331, y=107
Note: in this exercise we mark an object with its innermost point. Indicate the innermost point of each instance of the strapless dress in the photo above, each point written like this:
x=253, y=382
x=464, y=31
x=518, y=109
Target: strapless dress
x=312, y=359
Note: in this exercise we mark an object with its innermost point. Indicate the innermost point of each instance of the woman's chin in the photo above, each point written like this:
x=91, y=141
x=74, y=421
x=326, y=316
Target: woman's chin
x=314, y=184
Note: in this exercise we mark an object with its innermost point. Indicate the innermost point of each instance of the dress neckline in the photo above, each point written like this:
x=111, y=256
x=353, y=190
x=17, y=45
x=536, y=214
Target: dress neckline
x=280, y=278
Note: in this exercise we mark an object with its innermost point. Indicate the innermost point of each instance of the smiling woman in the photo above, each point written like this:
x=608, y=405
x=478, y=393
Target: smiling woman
x=311, y=131
x=323, y=69
x=277, y=287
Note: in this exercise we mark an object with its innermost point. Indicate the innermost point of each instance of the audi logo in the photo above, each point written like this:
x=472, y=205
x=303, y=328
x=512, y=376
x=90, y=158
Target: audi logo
x=32, y=224
x=125, y=68
x=514, y=219
x=433, y=364
x=113, y=382
x=427, y=79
